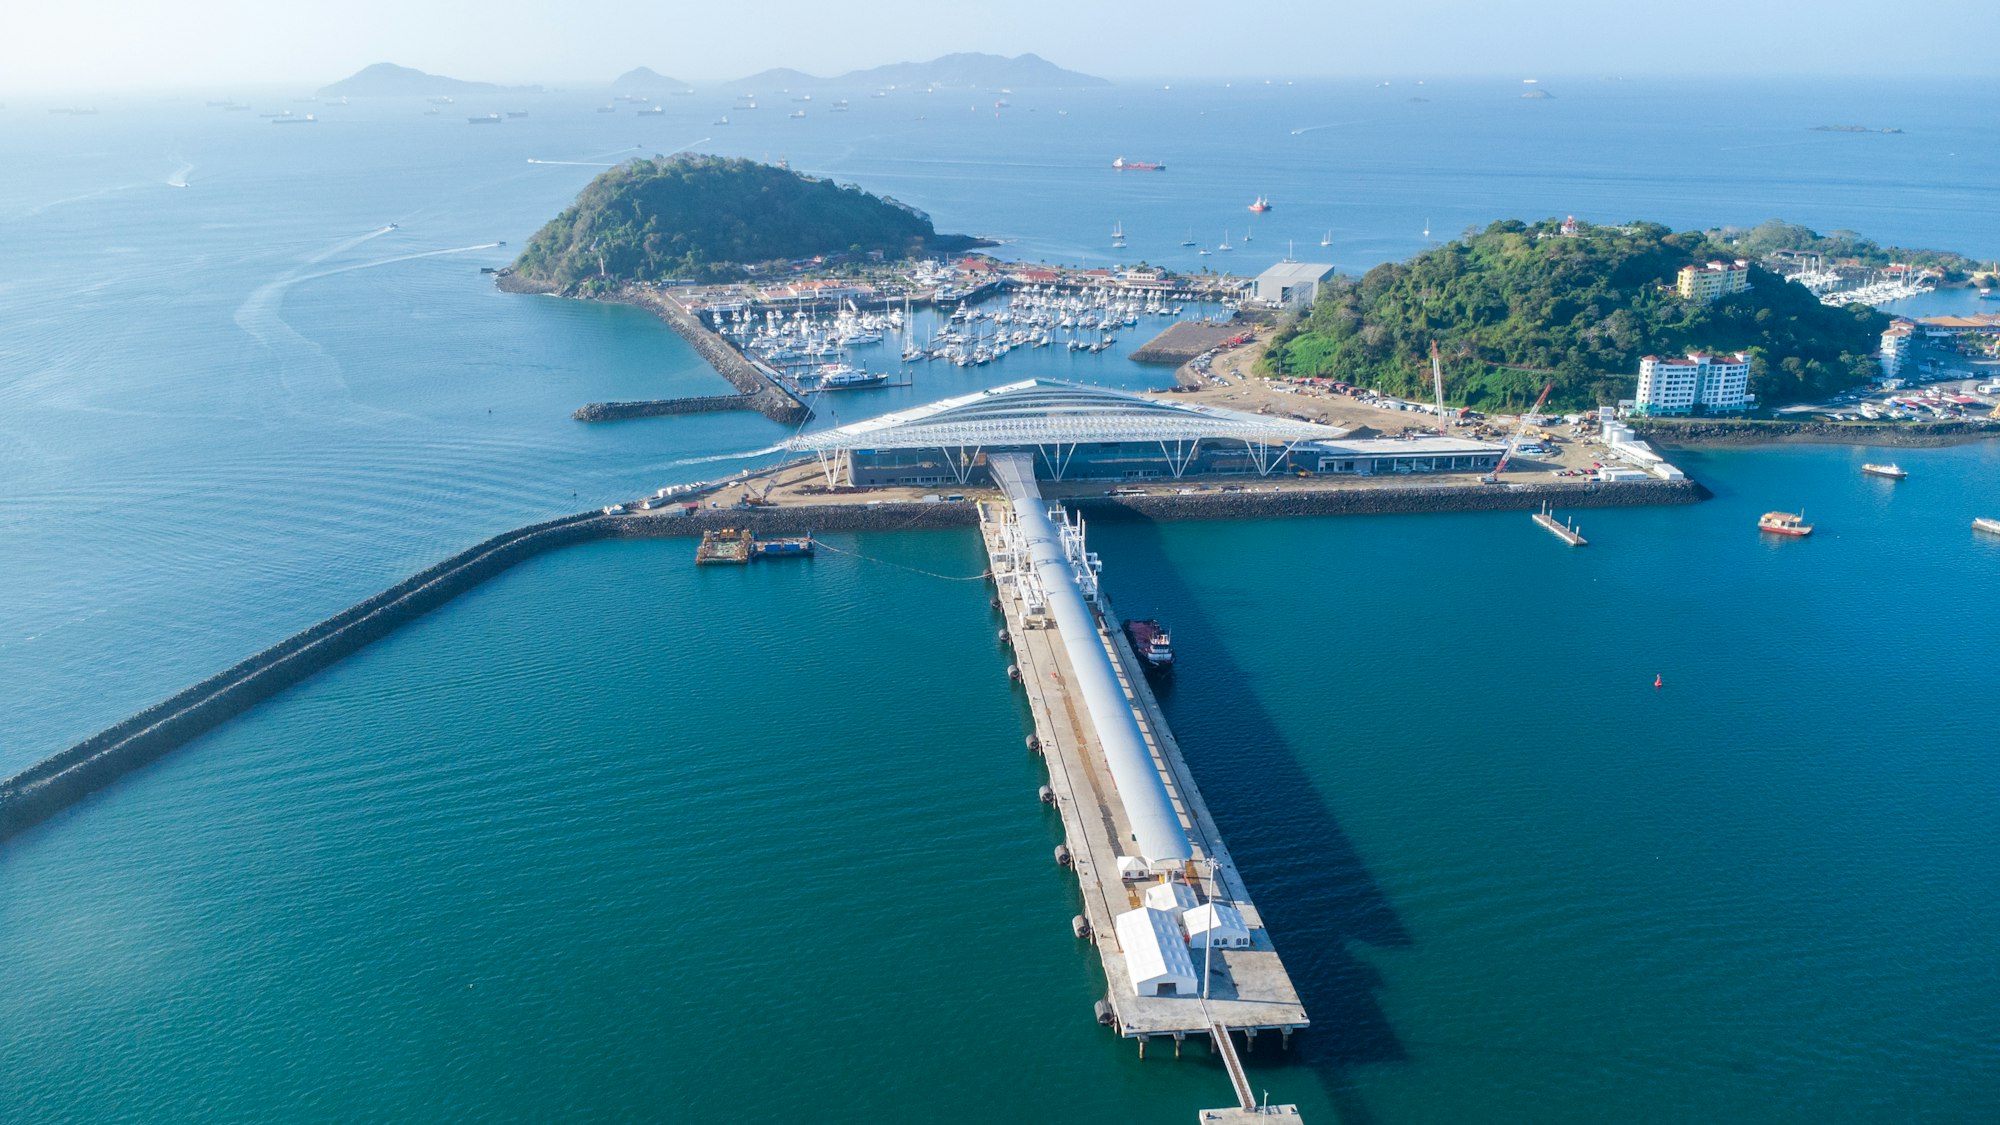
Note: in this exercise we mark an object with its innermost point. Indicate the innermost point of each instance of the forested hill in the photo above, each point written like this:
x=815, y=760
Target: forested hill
x=1520, y=304
x=706, y=218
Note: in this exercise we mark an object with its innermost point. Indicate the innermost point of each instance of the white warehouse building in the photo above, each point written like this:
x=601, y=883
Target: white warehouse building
x=1291, y=284
x=1156, y=955
x=1713, y=384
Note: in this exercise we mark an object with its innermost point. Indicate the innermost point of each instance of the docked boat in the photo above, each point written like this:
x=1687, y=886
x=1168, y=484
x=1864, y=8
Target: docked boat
x=1991, y=527
x=1152, y=644
x=1261, y=205
x=1784, y=523
x=1892, y=471
x=841, y=377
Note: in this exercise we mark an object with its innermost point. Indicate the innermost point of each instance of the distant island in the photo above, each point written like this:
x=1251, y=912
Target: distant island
x=1851, y=129
x=705, y=218
x=383, y=80
x=965, y=69
x=1520, y=304
x=645, y=79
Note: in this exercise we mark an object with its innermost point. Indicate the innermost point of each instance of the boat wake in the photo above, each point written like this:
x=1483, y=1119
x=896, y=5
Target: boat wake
x=714, y=457
x=310, y=377
x=180, y=176
x=1304, y=129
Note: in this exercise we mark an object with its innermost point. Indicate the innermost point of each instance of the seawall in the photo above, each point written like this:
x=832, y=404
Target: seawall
x=48, y=786
x=1376, y=501
x=1912, y=434
x=656, y=407
x=761, y=394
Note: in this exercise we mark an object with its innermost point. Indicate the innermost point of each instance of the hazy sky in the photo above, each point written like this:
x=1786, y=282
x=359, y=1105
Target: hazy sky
x=86, y=45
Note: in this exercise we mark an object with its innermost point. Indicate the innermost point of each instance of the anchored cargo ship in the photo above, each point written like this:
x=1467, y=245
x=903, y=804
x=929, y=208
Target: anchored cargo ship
x=1892, y=471
x=1262, y=204
x=1152, y=644
x=1784, y=523
x=1983, y=524
x=1124, y=165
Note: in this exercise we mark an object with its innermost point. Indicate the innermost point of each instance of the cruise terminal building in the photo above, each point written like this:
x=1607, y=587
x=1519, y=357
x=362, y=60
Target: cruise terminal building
x=1079, y=432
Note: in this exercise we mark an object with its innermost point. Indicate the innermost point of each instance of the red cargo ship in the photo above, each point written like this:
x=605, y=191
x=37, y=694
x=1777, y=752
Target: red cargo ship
x=1124, y=165
x=1150, y=641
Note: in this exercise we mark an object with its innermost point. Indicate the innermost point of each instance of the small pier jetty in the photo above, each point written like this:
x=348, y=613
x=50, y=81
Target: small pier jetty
x=1184, y=949
x=1561, y=529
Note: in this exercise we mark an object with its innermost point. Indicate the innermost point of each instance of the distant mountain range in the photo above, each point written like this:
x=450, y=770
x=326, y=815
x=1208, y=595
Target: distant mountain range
x=390, y=80
x=645, y=78
x=965, y=69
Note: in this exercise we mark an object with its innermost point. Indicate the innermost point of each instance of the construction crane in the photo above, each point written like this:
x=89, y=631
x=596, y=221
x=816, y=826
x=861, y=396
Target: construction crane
x=1437, y=383
x=1512, y=442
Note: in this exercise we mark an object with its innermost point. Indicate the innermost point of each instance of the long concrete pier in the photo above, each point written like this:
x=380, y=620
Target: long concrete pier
x=1247, y=989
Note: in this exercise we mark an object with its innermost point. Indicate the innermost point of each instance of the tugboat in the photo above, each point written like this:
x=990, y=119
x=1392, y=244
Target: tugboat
x=1152, y=644
x=1784, y=523
x=1892, y=471
x=1261, y=205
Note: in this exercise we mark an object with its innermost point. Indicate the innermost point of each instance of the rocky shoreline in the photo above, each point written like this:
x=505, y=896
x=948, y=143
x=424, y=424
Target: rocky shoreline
x=1907, y=434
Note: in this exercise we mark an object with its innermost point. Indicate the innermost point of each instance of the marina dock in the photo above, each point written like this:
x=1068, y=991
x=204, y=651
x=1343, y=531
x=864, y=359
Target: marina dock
x=1244, y=989
x=1564, y=530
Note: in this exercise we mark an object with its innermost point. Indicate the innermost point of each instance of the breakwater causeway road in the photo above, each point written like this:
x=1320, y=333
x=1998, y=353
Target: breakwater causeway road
x=52, y=784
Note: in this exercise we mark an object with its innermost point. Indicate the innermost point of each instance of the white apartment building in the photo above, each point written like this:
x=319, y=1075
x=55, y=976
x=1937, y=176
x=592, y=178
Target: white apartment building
x=1715, y=384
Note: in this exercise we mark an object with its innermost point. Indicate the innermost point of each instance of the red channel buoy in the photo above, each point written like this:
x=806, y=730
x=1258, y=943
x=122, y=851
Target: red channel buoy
x=1656, y=681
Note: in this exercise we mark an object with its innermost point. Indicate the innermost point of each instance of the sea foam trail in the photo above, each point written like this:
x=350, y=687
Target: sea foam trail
x=764, y=452
x=304, y=369
x=180, y=176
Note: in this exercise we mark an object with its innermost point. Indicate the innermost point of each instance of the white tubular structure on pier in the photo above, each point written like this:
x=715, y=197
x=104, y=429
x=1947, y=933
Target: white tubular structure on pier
x=1156, y=828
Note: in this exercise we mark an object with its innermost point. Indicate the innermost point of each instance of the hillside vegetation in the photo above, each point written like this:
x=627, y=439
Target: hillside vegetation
x=1518, y=304
x=1841, y=246
x=705, y=218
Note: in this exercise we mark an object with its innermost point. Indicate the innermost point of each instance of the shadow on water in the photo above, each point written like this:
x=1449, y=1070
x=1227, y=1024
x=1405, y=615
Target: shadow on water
x=1310, y=883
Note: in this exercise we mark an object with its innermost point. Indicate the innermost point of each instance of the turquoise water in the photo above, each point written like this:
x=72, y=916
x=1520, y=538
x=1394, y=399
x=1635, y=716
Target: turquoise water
x=613, y=838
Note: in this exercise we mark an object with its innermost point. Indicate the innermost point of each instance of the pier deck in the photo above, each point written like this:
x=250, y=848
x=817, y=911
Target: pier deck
x=1248, y=990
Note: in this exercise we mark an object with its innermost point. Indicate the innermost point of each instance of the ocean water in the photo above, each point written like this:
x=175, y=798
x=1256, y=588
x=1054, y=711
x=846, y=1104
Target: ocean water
x=613, y=838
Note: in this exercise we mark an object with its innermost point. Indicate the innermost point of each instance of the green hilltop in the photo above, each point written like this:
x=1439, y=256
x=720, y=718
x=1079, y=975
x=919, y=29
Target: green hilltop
x=707, y=218
x=1519, y=304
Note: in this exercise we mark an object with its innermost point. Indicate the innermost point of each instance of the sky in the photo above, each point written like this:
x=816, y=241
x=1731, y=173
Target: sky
x=112, y=45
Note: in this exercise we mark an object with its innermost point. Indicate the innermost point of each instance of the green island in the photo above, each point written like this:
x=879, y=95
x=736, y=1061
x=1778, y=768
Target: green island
x=1521, y=304
x=1775, y=237
x=707, y=219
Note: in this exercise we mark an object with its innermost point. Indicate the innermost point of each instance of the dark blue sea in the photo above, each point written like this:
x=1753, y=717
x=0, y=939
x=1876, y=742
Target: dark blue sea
x=611, y=838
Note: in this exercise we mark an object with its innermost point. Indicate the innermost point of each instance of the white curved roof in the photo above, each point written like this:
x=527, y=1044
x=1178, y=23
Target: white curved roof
x=1047, y=412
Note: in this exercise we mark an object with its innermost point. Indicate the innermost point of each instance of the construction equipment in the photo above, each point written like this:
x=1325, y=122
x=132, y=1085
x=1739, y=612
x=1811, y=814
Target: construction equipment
x=1519, y=430
x=1437, y=383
